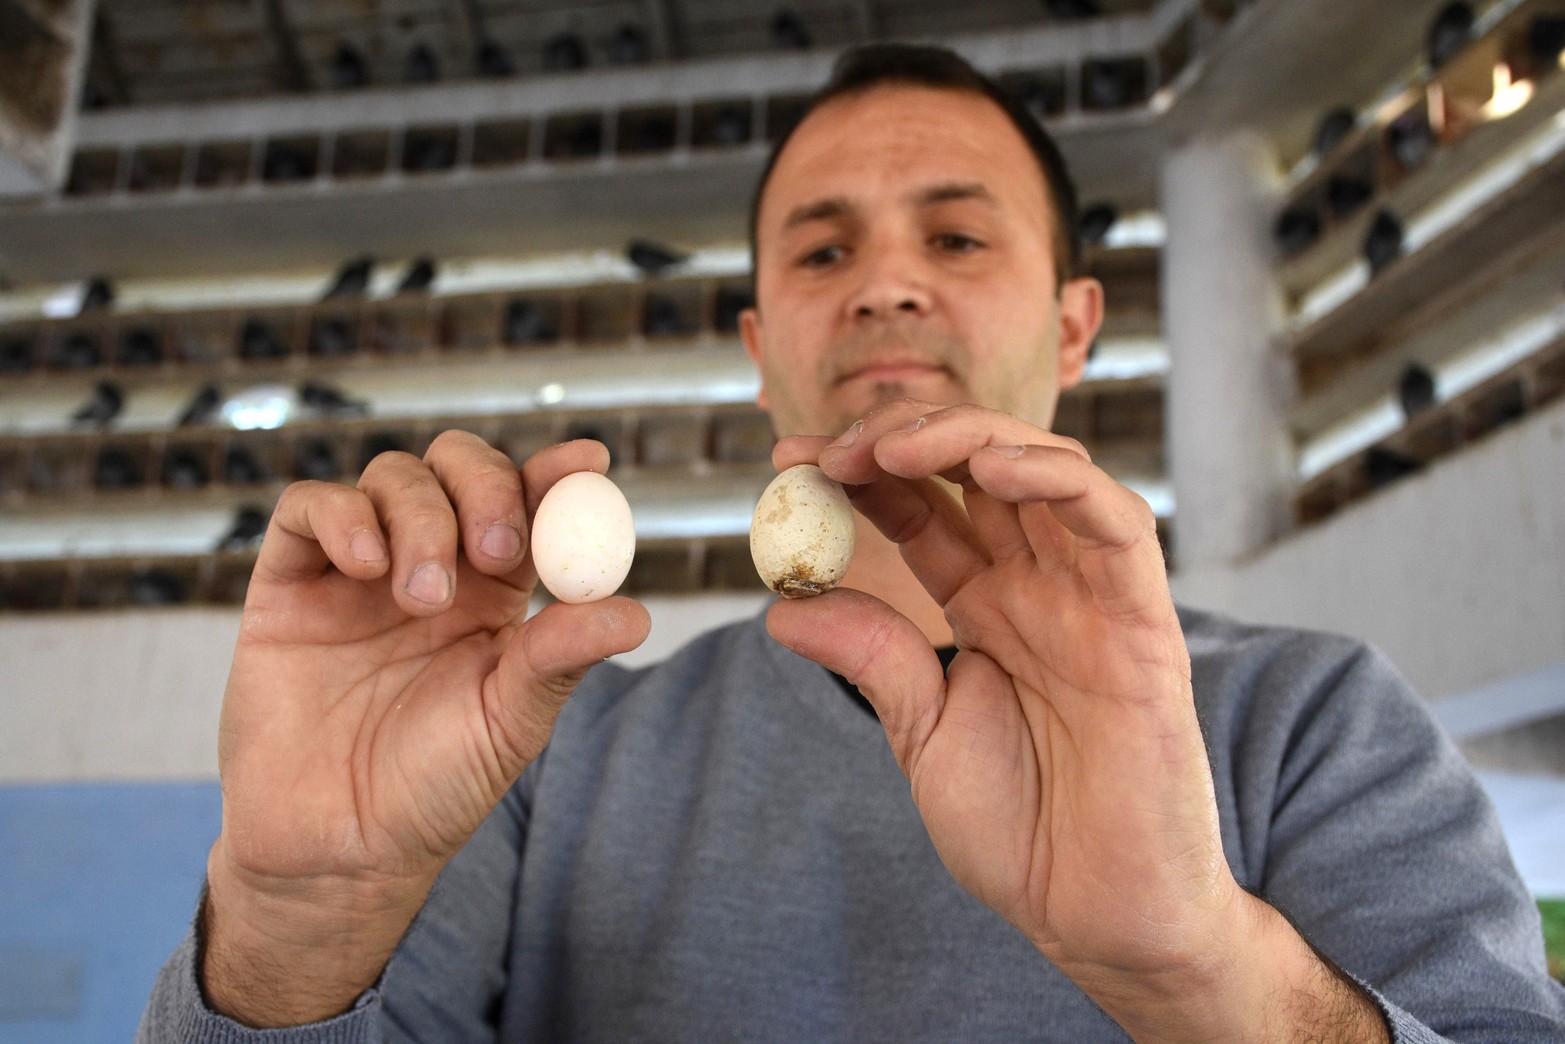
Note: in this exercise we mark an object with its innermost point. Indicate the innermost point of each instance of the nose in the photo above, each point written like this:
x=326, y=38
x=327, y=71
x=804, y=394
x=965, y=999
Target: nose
x=893, y=283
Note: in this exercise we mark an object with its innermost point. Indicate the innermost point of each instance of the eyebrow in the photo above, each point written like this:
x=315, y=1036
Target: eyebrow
x=835, y=207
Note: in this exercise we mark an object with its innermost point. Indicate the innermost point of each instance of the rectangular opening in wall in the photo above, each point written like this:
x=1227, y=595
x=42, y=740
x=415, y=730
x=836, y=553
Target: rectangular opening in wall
x=532, y=319
x=19, y=348
x=468, y=324
x=76, y=346
x=430, y=150
x=729, y=566
x=672, y=310
x=742, y=438
x=728, y=301
x=291, y=159
x=722, y=124
x=520, y=439
x=94, y=172
x=671, y=440
x=577, y=136
x=502, y=143
x=30, y=586
x=403, y=327
x=223, y=164
x=606, y=315
x=660, y=568
x=1043, y=91
x=644, y=131
x=1108, y=84
x=361, y=154
x=334, y=333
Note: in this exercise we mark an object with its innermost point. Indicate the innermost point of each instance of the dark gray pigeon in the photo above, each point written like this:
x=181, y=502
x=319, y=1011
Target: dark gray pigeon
x=101, y=407
x=653, y=258
x=203, y=406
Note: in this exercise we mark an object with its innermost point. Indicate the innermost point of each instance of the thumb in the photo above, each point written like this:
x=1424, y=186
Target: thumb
x=543, y=663
x=876, y=648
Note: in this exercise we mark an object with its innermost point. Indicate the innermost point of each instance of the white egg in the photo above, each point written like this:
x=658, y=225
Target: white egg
x=802, y=534
x=583, y=538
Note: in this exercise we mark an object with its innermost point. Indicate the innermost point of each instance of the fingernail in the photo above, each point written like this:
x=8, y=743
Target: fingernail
x=430, y=584
x=1010, y=452
x=501, y=540
x=366, y=547
x=918, y=422
x=848, y=437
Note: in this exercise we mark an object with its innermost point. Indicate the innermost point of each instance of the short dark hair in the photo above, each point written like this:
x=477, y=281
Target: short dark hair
x=920, y=65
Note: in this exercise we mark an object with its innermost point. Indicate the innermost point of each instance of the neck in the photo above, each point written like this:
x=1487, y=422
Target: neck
x=878, y=569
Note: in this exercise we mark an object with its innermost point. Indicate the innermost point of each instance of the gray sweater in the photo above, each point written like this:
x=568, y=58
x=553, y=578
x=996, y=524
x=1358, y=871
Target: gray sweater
x=721, y=848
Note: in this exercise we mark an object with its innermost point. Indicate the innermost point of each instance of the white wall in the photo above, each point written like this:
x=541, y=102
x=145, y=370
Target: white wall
x=1458, y=574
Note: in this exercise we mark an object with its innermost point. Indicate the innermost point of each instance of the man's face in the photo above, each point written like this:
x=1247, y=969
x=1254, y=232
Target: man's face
x=904, y=248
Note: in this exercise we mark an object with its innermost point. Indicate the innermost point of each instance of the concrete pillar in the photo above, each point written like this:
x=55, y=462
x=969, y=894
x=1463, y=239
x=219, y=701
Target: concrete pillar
x=1227, y=445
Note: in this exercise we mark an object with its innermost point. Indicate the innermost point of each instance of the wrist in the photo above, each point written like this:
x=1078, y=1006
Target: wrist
x=1256, y=979
x=299, y=953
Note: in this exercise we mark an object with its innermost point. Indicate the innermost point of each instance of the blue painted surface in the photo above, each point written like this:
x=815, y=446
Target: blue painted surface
x=98, y=884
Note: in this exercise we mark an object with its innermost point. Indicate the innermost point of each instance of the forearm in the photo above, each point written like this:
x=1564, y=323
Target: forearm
x=1269, y=985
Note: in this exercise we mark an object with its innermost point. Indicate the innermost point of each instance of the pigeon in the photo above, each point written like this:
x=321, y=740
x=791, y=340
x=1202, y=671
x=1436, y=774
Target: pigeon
x=663, y=318
x=184, y=469
x=139, y=346
x=78, y=351
x=241, y=468
x=1097, y=220
x=1334, y=129
x=1383, y=242
x=525, y=324
x=1383, y=467
x=630, y=45
x=1416, y=390
x=330, y=402
x=97, y=295
x=730, y=302
x=492, y=62
x=1346, y=194
x=788, y=32
x=156, y=587
x=1073, y=8
x=16, y=355
x=653, y=258
x=564, y=53
x=1449, y=32
x=101, y=407
x=1411, y=139
x=1297, y=227
x=347, y=69
x=202, y=407
x=422, y=65
x=420, y=277
x=248, y=528
x=352, y=279
x=115, y=469
x=315, y=459
x=259, y=341
x=332, y=337
x=731, y=126
x=1104, y=85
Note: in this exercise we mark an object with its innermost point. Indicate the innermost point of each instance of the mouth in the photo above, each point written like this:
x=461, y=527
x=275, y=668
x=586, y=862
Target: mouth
x=893, y=371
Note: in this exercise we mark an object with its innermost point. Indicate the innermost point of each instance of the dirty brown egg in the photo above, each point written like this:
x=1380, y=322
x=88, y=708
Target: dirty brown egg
x=583, y=538
x=802, y=534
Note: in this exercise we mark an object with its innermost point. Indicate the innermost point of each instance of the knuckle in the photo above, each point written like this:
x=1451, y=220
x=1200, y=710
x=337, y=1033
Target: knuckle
x=452, y=440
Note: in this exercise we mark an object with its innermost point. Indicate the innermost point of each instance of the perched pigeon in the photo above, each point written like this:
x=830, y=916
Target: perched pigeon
x=259, y=341
x=1383, y=467
x=1383, y=242
x=1334, y=129
x=1449, y=32
x=347, y=69
x=422, y=65
x=1416, y=390
x=247, y=530
x=788, y=32
x=492, y=62
x=101, y=407
x=77, y=351
x=331, y=402
x=332, y=336
x=420, y=277
x=630, y=45
x=16, y=355
x=115, y=469
x=203, y=406
x=526, y=324
x=1346, y=194
x=1411, y=139
x=730, y=126
x=241, y=468
x=663, y=317
x=315, y=459
x=653, y=258
x=184, y=469
x=352, y=279
x=97, y=296
x=1297, y=227
x=139, y=346
x=156, y=587
x=1104, y=85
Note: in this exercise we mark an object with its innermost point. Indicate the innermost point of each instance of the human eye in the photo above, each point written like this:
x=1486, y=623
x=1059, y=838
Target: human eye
x=955, y=243
x=823, y=256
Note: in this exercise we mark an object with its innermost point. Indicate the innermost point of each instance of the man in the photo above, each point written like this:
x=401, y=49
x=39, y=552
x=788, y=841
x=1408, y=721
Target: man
x=1115, y=807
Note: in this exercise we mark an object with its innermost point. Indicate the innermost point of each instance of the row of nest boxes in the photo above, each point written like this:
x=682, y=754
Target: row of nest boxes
x=1479, y=97
x=222, y=578
x=1125, y=423
x=1098, y=85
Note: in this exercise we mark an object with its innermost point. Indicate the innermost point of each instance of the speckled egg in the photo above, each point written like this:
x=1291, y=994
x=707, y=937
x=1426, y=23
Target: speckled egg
x=583, y=538
x=802, y=534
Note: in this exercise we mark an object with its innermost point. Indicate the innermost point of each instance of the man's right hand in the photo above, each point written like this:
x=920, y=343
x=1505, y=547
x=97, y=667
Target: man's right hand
x=386, y=691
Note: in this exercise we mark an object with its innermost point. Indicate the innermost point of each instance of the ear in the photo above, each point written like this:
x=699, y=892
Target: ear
x=750, y=333
x=1081, y=316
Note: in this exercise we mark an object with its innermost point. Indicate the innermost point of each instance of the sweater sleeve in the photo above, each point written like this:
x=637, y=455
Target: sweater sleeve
x=444, y=982
x=1387, y=854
